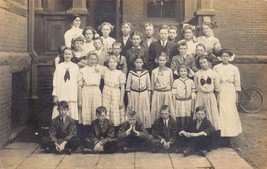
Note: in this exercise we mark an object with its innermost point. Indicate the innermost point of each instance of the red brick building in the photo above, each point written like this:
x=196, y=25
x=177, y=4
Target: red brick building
x=32, y=30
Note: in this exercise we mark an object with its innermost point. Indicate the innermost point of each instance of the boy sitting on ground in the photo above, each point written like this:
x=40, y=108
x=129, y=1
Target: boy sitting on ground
x=132, y=134
x=197, y=134
x=101, y=137
x=164, y=131
x=62, y=133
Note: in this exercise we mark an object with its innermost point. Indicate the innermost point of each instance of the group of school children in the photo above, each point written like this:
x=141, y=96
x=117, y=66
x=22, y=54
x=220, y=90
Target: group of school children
x=163, y=109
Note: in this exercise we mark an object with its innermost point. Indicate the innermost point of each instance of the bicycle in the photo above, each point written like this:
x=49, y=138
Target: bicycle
x=250, y=100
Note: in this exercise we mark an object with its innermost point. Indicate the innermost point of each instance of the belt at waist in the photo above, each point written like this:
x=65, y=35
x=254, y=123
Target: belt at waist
x=139, y=91
x=112, y=86
x=165, y=90
x=90, y=85
x=183, y=99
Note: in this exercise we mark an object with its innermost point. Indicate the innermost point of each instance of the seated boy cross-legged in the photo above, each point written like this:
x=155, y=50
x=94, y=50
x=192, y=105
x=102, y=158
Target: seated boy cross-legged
x=62, y=133
x=132, y=134
x=197, y=133
x=101, y=137
x=164, y=132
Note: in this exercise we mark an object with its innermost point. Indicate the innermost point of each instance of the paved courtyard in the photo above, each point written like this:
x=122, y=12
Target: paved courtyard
x=23, y=155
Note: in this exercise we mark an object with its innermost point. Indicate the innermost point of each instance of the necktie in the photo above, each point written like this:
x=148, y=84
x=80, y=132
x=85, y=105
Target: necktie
x=62, y=121
x=198, y=124
x=165, y=123
x=67, y=75
x=163, y=44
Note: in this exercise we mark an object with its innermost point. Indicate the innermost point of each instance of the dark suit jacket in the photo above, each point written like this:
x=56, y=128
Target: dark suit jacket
x=155, y=49
x=131, y=55
x=125, y=47
x=178, y=60
x=59, y=132
x=205, y=126
x=104, y=133
x=160, y=131
x=138, y=127
x=144, y=43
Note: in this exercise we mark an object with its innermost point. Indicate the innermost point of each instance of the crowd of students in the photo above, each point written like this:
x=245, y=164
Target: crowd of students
x=141, y=93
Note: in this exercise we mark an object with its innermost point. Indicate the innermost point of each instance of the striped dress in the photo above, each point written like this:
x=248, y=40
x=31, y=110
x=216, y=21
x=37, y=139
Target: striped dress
x=138, y=87
x=90, y=96
x=113, y=80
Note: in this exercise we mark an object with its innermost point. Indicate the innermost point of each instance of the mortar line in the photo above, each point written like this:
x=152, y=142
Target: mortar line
x=60, y=161
x=98, y=160
x=27, y=157
x=171, y=160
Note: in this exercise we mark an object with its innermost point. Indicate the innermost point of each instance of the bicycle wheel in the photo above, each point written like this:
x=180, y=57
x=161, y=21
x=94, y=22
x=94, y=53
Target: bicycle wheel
x=251, y=100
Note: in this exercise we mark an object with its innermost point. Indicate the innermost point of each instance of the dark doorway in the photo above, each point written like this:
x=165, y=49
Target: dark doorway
x=105, y=11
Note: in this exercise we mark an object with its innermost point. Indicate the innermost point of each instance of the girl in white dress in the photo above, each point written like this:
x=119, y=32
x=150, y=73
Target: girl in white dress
x=228, y=97
x=65, y=84
x=161, y=84
x=106, y=28
x=89, y=93
x=113, y=92
x=74, y=31
x=89, y=35
x=138, y=90
x=190, y=39
x=184, y=93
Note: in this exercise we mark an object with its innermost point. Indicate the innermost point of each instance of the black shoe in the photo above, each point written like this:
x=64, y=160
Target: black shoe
x=87, y=150
x=187, y=152
x=128, y=150
x=47, y=150
x=68, y=152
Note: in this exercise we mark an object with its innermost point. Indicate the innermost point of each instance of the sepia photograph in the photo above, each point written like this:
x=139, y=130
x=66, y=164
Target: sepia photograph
x=133, y=84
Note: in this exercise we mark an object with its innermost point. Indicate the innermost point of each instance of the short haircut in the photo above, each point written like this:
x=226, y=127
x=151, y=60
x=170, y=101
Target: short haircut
x=201, y=108
x=116, y=43
x=182, y=43
x=106, y=23
x=163, y=54
x=173, y=27
x=89, y=28
x=164, y=27
x=164, y=107
x=63, y=104
x=127, y=23
x=136, y=33
x=101, y=109
x=148, y=24
x=132, y=113
x=98, y=38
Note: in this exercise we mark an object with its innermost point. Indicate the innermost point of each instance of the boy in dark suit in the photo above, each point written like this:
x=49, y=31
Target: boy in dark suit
x=132, y=134
x=197, y=133
x=126, y=29
x=62, y=133
x=164, y=131
x=162, y=45
x=101, y=136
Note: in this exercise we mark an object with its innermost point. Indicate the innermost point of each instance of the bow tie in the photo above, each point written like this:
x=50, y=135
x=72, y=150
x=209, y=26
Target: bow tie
x=135, y=49
x=203, y=81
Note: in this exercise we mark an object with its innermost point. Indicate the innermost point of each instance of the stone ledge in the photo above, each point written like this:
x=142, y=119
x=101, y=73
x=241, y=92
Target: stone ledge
x=17, y=61
x=250, y=59
x=14, y=7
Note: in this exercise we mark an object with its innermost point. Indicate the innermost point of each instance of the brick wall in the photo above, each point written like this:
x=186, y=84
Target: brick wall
x=14, y=59
x=242, y=25
x=5, y=103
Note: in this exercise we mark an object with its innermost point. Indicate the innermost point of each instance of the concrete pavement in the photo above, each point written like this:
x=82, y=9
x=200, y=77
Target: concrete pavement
x=24, y=155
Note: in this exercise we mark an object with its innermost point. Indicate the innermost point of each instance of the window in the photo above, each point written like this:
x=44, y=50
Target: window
x=162, y=8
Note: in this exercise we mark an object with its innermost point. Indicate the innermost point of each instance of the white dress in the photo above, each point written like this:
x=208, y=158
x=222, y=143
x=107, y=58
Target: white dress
x=91, y=95
x=230, y=84
x=66, y=90
x=88, y=47
x=107, y=43
x=70, y=34
x=211, y=43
